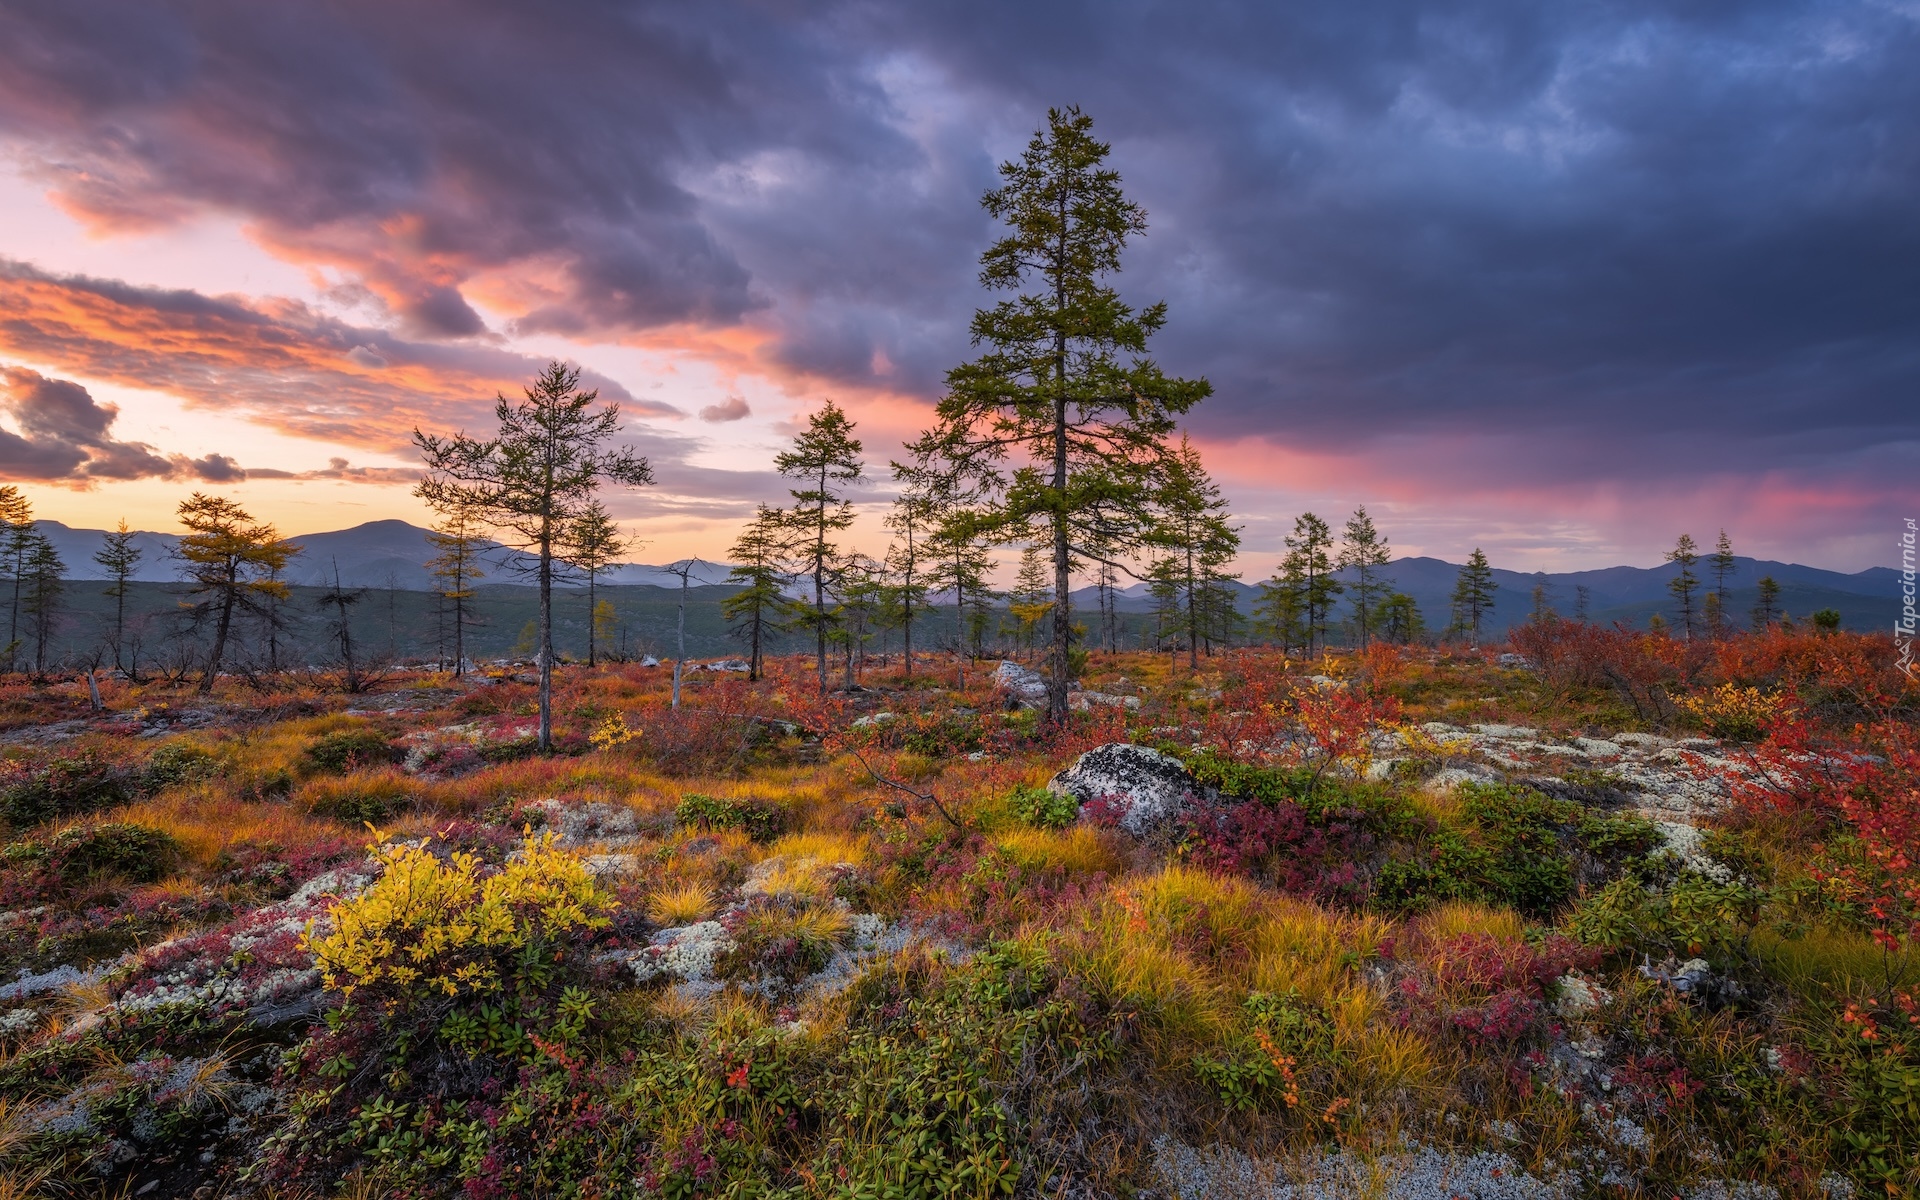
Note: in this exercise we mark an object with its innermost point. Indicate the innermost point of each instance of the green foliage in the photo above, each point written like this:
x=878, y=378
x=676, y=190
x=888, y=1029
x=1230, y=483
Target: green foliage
x=134, y=853
x=1511, y=845
x=177, y=762
x=757, y=819
x=65, y=787
x=1692, y=915
x=343, y=750
x=1044, y=808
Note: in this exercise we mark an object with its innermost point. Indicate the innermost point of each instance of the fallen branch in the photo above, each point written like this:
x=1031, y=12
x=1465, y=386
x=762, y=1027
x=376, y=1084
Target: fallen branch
x=897, y=786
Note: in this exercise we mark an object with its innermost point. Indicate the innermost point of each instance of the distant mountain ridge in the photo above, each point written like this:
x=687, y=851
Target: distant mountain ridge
x=379, y=554
x=394, y=553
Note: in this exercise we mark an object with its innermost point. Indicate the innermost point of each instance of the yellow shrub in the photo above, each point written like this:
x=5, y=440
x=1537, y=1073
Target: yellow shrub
x=1735, y=713
x=438, y=924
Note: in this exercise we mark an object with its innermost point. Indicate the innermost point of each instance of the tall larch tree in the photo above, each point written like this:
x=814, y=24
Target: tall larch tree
x=759, y=606
x=459, y=543
x=824, y=459
x=912, y=521
x=1363, y=553
x=1310, y=560
x=594, y=543
x=1191, y=530
x=1064, y=415
x=532, y=480
x=1473, y=593
x=1684, y=584
x=119, y=558
x=16, y=542
x=233, y=564
x=46, y=585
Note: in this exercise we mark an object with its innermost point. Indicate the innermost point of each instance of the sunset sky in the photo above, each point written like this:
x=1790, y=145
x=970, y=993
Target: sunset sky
x=1560, y=280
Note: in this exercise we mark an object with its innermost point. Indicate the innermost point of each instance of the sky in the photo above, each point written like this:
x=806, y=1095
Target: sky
x=1561, y=281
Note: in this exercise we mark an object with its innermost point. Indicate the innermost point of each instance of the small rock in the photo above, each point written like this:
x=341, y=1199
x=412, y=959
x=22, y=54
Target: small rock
x=1579, y=995
x=1453, y=777
x=1506, y=732
x=1518, y=662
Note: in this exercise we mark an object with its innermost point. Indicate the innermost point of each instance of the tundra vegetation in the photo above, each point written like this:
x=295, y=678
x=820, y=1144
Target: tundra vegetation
x=1602, y=913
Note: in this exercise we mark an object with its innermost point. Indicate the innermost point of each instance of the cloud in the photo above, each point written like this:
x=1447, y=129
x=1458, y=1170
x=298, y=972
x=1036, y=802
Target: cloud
x=1572, y=243
x=275, y=362
x=734, y=408
x=339, y=469
x=64, y=435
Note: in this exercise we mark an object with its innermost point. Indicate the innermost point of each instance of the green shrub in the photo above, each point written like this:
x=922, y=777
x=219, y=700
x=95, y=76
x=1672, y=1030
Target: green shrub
x=65, y=787
x=177, y=762
x=1044, y=808
x=362, y=798
x=1692, y=915
x=135, y=853
x=757, y=819
x=347, y=749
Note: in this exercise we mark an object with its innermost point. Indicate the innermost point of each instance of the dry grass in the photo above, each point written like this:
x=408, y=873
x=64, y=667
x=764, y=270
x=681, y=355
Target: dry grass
x=683, y=905
x=1078, y=851
x=206, y=819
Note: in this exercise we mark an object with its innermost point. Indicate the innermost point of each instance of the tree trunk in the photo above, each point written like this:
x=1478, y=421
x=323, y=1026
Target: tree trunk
x=593, y=613
x=546, y=640
x=219, y=642
x=680, y=660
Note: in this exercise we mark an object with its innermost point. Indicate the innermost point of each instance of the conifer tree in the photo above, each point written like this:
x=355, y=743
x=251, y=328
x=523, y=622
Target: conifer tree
x=1473, y=594
x=760, y=604
x=1542, y=595
x=119, y=558
x=16, y=542
x=1032, y=596
x=1767, y=604
x=912, y=519
x=456, y=568
x=825, y=456
x=1400, y=619
x=860, y=595
x=1280, y=613
x=45, y=585
x=1064, y=416
x=1191, y=529
x=233, y=563
x=1309, y=559
x=1684, y=584
x=532, y=480
x=1364, y=554
x=593, y=544
x=1724, y=565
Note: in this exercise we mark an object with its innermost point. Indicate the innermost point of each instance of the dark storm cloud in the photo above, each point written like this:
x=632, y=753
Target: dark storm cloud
x=1683, y=233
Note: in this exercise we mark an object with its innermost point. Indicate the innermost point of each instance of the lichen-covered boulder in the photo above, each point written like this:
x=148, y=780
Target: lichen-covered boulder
x=1149, y=789
x=1025, y=685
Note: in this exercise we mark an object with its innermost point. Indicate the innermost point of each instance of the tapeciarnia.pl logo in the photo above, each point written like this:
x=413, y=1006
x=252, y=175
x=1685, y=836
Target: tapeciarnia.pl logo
x=1903, y=626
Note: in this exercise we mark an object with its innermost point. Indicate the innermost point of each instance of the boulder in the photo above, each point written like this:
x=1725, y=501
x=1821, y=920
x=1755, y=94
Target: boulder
x=1024, y=685
x=1150, y=789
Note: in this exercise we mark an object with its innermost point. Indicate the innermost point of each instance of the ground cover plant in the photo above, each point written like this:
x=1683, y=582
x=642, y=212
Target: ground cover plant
x=1621, y=916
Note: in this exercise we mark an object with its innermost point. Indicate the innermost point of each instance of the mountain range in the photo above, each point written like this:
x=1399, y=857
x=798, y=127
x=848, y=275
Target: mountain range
x=393, y=554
